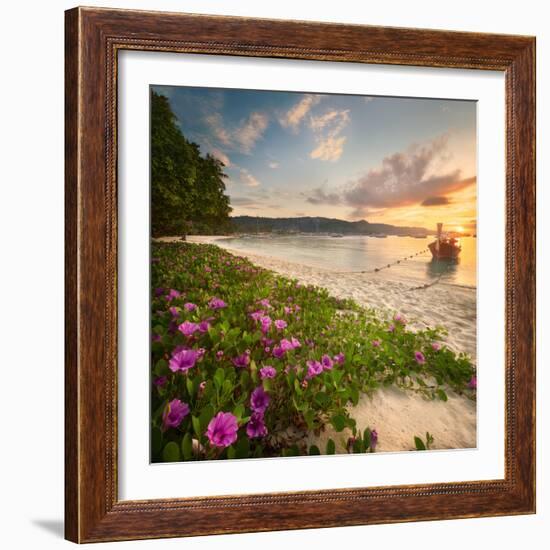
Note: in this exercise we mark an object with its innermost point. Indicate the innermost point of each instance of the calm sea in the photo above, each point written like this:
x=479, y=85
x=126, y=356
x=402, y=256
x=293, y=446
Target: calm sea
x=360, y=253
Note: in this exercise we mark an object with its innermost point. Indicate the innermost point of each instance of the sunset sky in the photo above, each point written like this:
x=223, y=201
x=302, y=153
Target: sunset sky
x=391, y=160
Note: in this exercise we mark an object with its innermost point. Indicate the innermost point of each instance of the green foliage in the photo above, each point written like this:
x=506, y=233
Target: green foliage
x=187, y=190
x=420, y=445
x=300, y=403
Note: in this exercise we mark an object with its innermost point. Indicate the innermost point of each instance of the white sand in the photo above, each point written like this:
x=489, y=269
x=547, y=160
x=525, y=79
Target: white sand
x=397, y=415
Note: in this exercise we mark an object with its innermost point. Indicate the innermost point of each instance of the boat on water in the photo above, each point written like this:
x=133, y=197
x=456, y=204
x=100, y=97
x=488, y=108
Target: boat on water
x=444, y=247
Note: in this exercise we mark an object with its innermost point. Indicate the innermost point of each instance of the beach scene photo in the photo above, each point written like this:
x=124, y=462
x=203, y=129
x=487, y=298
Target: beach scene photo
x=313, y=274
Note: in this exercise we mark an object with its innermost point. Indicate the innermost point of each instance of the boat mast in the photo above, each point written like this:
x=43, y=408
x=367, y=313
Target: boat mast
x=439, y=232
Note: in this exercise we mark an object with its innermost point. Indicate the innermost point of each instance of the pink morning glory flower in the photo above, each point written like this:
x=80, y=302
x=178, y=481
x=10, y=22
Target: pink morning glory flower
x=189, y=306
x=183, y=360
x=222, y=430
x=376, y=343
x=313, y=369
x=373, y=439
x=219, y=355
x=287, y=310
x=295, y=343
x=257, y=315
x=398, y=318
x=174, y=312
x=172, y=294
x=187, y=328
x=259, y=400
x=280, y=324
x=216, y=303
x=286, y=345
x=278, y=352
x=472, y=384
x=256, y=427
x=242, y=360
x=327, y=362
x=419, y=357
x=204, y=326
x=174, y=412
x=264, y=303
x=267, y=372
x=160, y=381
x=265, y=321
x=436, y=346
x=391, y=328
x=340, y=358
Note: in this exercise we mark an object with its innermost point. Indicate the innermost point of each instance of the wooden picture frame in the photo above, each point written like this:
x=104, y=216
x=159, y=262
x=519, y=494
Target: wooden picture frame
x=93, y=511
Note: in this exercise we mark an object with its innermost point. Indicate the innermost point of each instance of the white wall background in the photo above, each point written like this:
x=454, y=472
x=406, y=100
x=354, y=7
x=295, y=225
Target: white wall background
x=31, y=270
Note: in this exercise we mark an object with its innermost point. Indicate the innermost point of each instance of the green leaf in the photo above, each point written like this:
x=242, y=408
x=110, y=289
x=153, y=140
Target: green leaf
x=309, y=417
x=419, y=444
x=314, y=450
x=161, y=368
x=171, y=452
x=441, y=394
x=238, y=411
x=196, y=426
x=243, y=447
x=322, y=399
x=367, y=437
x=331, y=447
x=231, y=452
x=156, y=440
x=190, y=388
x=339, y=422
x=219, y=377
x=187, y=446
x=205, y=417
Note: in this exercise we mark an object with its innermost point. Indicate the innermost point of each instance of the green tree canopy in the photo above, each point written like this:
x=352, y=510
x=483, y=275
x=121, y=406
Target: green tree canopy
x=187, y=190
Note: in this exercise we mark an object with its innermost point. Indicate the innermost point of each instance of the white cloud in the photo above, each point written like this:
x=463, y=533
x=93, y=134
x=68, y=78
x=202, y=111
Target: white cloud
x=273, y=165
x=220, y=155
x=293, y=117
x=247, y=178
x=241, y=138
x=327, y=129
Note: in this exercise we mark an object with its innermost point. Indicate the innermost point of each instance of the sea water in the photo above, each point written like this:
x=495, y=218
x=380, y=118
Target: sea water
x=408, y=257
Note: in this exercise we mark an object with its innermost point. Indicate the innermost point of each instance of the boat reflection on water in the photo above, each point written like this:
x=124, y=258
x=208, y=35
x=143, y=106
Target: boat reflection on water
x=436, y=268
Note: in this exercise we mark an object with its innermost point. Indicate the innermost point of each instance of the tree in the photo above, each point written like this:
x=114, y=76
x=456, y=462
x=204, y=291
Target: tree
x=187, y=190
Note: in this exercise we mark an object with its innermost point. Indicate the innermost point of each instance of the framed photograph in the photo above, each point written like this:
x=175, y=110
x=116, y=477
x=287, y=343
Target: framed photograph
x=300, y=275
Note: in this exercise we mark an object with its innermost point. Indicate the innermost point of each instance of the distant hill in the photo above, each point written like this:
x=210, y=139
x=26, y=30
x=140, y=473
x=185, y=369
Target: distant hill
x=253, y=224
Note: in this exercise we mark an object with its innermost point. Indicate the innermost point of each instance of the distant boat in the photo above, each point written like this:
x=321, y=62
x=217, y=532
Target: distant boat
x=444, y=248
x=336, y=235
x=379, y=236
x=419, y=236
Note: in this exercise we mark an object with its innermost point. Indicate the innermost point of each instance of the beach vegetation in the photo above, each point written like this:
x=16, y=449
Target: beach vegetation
x=248, y=363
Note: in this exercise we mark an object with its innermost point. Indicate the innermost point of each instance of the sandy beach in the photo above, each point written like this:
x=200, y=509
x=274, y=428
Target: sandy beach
x=397, y=415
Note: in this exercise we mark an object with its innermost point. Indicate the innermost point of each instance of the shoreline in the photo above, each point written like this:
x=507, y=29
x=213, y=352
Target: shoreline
x=396, y=414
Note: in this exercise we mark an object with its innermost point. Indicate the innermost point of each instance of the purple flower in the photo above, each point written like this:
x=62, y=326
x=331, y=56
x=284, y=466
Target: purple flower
x=202, y=386
x=264, y=303
x=472, y=384
x=398, y=318
x=295, y=343
x=242, y=360
x=265, y=321
x=204, y=326
x=157, y=338
x=419, y=356
x=313, y=369
x=287, y=310
x=376, y=343
x=278, y=352
x=174, y=312
x=159, y=292
x=267, y=372
x=391, y=328
x=216, y=303
x=340, y=358
x=257, y=315
x=280, y=324
x=174, y=412
x=286, y=345
x=173, y=294
x=222, y=430
x=219, y=355
x=189, y=306
x=160, y=381
x=183, y=360
x=259, y=400
x=436, y=346
x=373, y=439
x=187, y=328
x=256, y=426
x=327, y=362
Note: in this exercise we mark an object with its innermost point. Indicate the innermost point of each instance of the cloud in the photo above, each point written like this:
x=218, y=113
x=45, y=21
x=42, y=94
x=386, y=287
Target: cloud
x=247, y=178
x=293, y=117
x=327, y=129
x=220, y=155
x=319, y=196
x=406, y=178
x=251, y=130
x=435, y=201
x=244, y=136
x=273, y=165
x=414, y=176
